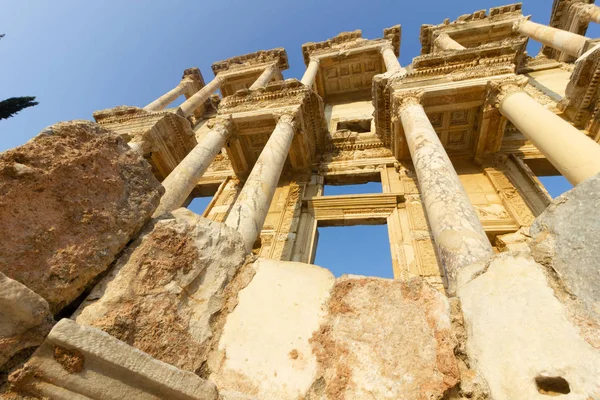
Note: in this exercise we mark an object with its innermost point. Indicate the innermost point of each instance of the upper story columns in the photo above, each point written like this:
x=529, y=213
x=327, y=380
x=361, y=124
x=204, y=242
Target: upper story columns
x=308, y=79
x=250, y=210
x=198, y=99
x=389, y=58
x=564, y=41
x=588, y=12
x=445, y=42
x=457, y=231
x=163, y=101
x=574, y=154
x=265, y=77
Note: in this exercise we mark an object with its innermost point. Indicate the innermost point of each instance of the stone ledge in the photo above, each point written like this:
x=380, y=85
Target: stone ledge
x=77, y=362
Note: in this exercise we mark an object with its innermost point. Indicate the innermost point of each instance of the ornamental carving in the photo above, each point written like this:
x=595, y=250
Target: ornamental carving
x=405, y=99
x=498, y=90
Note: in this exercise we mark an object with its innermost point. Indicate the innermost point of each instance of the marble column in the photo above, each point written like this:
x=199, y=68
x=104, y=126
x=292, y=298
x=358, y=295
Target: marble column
x=250, y=210
x=163, y=101
x=191, y=104
x=457, y=232
x=574, y=154
x=588, y=12
x=264, y=78
x=182, y=180
x=567, y=42
x=445, y=42
x=389, y=58
x=308, y=79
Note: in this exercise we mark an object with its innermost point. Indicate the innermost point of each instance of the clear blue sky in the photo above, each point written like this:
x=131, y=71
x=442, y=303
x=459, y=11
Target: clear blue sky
x=78, y=56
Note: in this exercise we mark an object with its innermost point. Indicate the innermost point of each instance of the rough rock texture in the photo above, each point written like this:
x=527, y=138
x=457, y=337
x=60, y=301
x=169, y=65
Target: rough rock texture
x=264, y=351
x=77, y=362
x=70, y=200
x=565, y=238
x=167, y=288
x=25, y=318
x=385, y=339
x=520, y=337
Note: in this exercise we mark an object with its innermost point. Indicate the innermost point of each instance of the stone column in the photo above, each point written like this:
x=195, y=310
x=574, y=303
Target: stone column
x=248, y=213
x=264, y=78
x=567, y=42
x=182, y=180
x=457, y=232
x=389, y=58
x=445, y=42
x=163, y=101
x=308, y=79
x=588, y=12
x=191, y=104
x=575, y=155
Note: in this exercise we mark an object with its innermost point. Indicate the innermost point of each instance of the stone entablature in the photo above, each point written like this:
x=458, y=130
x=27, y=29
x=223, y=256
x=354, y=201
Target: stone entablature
x=164, y=137
x=568, y=15
x=254, y=114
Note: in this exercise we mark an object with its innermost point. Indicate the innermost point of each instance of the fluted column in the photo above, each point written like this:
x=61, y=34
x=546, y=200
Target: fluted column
x=573, y=154
x=457, y=231
x=248, y=213
x=389, y=58
x=567, y=42
x=191, y=104
x=163, y=101
x=445, y=42
x=182, y=180
x=588, y=12
x=308, y=79
x=264, y=78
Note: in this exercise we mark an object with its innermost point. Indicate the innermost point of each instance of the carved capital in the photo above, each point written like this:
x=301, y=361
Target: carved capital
x=290, y=117
x=386, y=46
x=316, y=60
x=586, y=12
x=222, y=123
x=497, y=91
x=408, y=98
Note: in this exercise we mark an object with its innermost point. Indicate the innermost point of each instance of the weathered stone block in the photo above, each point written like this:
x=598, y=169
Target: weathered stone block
x=565, y=238
x=71, y=199
x=520, y=337
x=264, y=350
x=385, y=339
x=25, y=318
x=77, y=362
x=166, y=290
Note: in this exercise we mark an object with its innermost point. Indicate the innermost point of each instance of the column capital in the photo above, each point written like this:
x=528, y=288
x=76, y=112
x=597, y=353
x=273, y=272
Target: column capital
x=222, y=122
x=315, y=59
x=407, y=98
x=289, y=117
x=386, y=46
x=586, y=12
x=497, y=91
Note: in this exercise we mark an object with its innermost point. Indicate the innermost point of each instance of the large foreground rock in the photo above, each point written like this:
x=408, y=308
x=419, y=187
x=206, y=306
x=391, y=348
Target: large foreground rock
x=385, y=339
x=70, y=200
x=520, y=336
x=566, y=239
x=165, y=292
x=77, y=363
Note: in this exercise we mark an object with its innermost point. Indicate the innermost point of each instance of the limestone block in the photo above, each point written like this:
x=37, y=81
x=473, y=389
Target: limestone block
x=515, y=242
x=167, y=288
x=565, y=238
x=72, y=198
x=385, y=339
x=77, y=362
x=25, y=318
x=264, y=350
x=520, y=337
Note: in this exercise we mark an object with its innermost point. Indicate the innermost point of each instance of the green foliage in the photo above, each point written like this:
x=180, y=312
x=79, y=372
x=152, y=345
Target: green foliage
x=13, y=105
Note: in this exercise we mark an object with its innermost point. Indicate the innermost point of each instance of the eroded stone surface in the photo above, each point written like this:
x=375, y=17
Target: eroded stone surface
x=72, y=197
x=565, y=238
x=25, y=316
x=519, y=331
x=166, y=289
x=264, y=351
x=80, y=362
x=385, y=339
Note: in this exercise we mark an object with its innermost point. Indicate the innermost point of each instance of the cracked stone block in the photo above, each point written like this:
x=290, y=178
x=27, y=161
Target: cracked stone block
x=72, y=198
x=166, y=291
x=77, y=362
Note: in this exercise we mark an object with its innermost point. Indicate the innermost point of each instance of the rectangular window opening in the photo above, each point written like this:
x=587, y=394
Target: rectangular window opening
x=199, y=204
x=355, y=125
x=360, y=188
x=357, y=250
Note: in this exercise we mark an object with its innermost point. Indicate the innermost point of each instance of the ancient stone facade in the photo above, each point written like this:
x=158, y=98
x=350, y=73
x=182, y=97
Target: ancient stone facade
x=156, y=302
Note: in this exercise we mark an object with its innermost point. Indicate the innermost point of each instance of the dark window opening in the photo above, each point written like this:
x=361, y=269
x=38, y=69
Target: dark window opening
x=355, y=125
x=552, y=385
